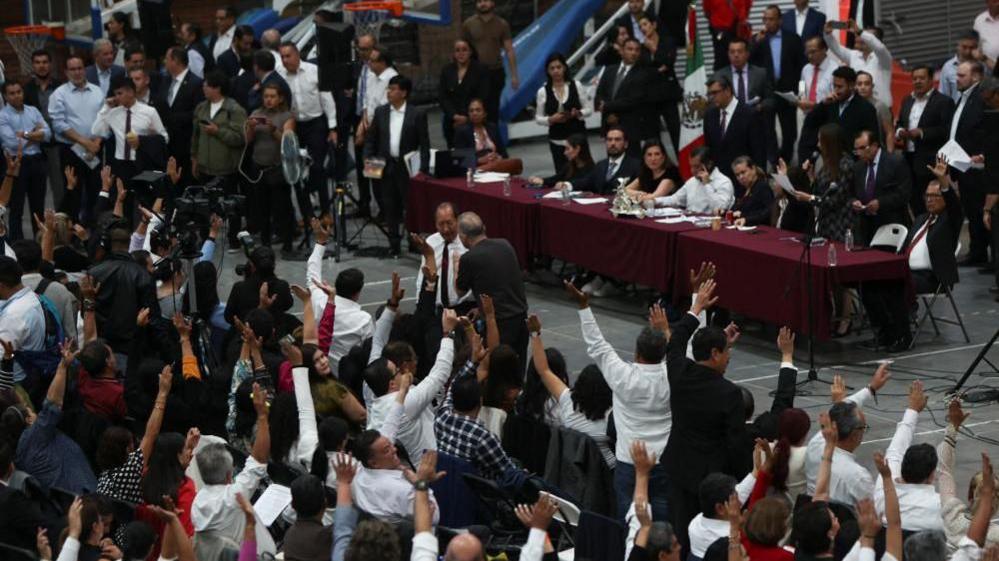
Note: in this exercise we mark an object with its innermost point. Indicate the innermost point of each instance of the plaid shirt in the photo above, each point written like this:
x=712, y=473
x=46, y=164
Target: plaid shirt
x=466, y=438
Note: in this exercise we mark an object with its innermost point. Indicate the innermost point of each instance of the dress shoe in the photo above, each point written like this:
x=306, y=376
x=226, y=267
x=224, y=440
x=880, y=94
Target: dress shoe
x=900, y=345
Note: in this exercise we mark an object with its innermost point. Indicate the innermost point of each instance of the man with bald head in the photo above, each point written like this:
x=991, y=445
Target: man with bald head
x=271, y=40
x=103, y=70
x=445, y=245
x=491, y=267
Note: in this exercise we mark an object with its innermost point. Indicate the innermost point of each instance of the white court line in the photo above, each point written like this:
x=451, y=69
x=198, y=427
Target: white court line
x=382, y=302
x=389, y=281
x=927, y=353
x=934, y=431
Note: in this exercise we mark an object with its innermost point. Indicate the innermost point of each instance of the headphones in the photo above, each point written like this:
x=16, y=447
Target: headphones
x=105, y=242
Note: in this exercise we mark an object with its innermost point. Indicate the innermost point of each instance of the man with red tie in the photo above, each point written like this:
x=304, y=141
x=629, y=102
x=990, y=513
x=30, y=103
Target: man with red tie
x=930, y=249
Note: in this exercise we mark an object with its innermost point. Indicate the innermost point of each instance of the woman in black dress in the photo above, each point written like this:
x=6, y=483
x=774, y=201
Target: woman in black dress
x=462, y=80
x=579, y=162
x=561, y=105
x=659, y=176
x=754, y=206
x=659, y=54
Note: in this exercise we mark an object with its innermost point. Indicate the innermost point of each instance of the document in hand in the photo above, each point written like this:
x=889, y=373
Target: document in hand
x=784, y=183
x=955, y=155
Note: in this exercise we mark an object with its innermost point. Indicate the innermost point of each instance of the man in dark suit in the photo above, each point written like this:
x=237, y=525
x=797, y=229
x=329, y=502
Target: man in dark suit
x=728, y=127
x=749, y=83
x=845, y=108
x=104, y=70
x=604, y=176
x=621, y=97
x=202, y=61
x=135, y=59
x=804, y=21
x=782, y=55
x=921, y=129
x=181, y=93
x=967, y=128
x=708, y=415
x=231, y=60
x=930, y=247
x=881, y=186
x=397, y=129
x=263, y=69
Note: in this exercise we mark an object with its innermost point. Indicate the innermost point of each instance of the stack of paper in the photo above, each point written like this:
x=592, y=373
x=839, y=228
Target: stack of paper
x=591, y=200
x=955, y=155
x=490, y=176
x=677, y=220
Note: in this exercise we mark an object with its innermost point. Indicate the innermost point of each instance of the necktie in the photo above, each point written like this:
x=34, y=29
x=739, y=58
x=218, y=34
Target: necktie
x=445, y=266
x=957, y=115
x=611, y=170
x=617, y=81
x=869, y=187
x=128, y=129
x=362, y=90
x=172, y=93
x=815, y=84
x=920, y=234
x=723, y=121
x=740, y=89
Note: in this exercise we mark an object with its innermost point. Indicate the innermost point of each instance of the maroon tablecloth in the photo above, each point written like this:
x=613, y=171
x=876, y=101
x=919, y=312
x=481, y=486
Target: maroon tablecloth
x=759, y=274
x=514, y=218
x=628, y=249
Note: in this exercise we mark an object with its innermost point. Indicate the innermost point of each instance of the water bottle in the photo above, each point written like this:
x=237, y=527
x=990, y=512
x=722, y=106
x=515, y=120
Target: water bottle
x=469, y=178
x=848, y=240
x=506, y=187
x=832, y=254
x=566, y=194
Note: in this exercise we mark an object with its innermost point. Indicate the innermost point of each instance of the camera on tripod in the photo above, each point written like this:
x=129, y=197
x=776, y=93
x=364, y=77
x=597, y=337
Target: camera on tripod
x=201, y=201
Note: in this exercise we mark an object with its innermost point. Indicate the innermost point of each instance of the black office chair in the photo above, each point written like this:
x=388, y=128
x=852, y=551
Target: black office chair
x=497, y=507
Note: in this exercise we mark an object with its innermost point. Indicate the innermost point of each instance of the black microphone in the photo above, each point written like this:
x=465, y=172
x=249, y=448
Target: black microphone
x=812, y=158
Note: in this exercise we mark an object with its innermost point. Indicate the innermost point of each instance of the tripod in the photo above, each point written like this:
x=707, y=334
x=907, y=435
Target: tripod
x=345, y=193
x=974, y=364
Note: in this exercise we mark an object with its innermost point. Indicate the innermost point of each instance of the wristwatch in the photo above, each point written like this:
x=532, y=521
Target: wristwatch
x=421, y=485
x=89, y=305
x=451, y=334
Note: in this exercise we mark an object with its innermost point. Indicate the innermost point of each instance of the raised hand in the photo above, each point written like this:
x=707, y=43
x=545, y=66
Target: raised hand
x=301, y=293
x=107, y=180
x=880, y=377
x=939, y=169
x=192, y=439
x=705, y=297
x=293, y=353
x=42, y=545
x=881, y=464
x=70, y=173
x=732, y=333
x=166, y=379
x=917, y=399
x=955, y=415
x=397, y=292
x=643, y=460
x=829, y=430
x=259, y=400
x=325, y=287
x=246, y=507
x=73, y=518
x=705, y=272
x=533, y=324
x=8, y=349
x=837, y=391
x=449, y=320
x=68, y=351
x=543, y=512
x=421, y=245
x=581, y=298
x=343, y=465
x=868, y=519
x=733, y=510
x=763, y=456
x=183, y=325
x=785, y=342
x=657, y=318
x=88, y=288
x=266, y=300
x=142, y=319
x=427, y=470
x=321, y=232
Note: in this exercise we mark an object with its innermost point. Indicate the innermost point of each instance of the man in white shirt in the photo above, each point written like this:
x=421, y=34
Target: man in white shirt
x=987, y=26
x=315, y=115
x=817, y=74
x=131, y=123
x=967, y=44
x=708, y=526
x=446, y=246
x=640, y=400
x=189, y=35
x=376, y=94
x=849, y=482
x=22, y=321
x=357, y=97
x=913, y=469
x=225, y=23
x=707, y=192
x=871, y=55
x=351, y=324
x=140, y=78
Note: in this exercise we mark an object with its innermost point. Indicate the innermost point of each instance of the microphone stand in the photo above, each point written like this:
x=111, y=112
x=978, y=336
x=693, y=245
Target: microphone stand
x=806, y=261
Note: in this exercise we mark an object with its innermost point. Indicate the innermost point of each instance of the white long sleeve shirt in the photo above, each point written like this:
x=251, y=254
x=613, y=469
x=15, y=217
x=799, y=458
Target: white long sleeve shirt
x=640, y=393
x=694, y=196
x=454, y=249
x=307, y=101
x=145, y=121
x=704, y=531
x=541, y=98
x=300, y=454
x=877, y=64
x=351, y=324
x=919, y=503
x=375, y=94
x=849, y=481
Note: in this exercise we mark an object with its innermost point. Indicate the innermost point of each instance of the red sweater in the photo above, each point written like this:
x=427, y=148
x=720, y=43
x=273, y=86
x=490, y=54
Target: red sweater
x=756, y=551
x=721, y=15
x=185, y=497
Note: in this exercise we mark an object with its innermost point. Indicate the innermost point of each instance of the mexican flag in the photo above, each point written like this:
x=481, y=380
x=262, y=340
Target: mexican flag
x=695, y=101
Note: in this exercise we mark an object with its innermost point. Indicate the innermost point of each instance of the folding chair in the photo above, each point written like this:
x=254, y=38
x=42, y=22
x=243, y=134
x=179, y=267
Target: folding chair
x=929, y=300
x=890, y=236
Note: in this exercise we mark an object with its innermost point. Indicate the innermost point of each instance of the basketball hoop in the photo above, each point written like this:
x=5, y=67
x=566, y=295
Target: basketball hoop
x=26, y=39
x=369, y=16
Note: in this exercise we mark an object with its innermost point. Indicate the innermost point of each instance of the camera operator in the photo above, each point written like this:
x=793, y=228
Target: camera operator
x=124, y=288
x=245, y=294
x=218, y=141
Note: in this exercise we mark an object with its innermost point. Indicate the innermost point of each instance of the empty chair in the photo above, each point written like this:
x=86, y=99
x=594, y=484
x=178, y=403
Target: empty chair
x=890, y=236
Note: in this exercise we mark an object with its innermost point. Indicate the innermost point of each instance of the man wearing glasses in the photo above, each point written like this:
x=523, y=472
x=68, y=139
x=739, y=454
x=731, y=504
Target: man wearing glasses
x=881, y=186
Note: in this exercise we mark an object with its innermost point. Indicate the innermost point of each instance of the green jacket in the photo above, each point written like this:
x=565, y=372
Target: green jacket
x=219, y=154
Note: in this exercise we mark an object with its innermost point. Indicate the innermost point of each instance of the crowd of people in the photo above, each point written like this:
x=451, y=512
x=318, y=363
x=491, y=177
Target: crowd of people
x=142, y=411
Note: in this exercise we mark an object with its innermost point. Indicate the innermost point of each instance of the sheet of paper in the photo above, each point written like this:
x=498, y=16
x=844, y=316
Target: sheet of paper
x=677, y=220
x=784, y=183
x=557, y=194
x=272, y=503
x=490, y=177
x=413, y=162
x=669, y=211
x=81, y=152
x=956, y=156
x=590, y=200
x=789, y=97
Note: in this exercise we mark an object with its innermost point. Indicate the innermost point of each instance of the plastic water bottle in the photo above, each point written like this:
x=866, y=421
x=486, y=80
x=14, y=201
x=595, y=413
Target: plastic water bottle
x=469, y=178
x=566, y=195
x=848, y=240
x=832, y=254
x=506, y=187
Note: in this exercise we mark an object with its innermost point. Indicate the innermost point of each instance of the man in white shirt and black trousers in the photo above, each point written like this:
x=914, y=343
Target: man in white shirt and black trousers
x=140, y=137
x=315, y=115
x=396, y=130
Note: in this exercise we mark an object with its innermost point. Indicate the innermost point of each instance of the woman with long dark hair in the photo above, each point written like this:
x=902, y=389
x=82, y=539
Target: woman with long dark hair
x=659, y=55
x=579, y=162
x=583, y=408
x=121, y=35
x=165, y=477
x=482, y=136
x=462, y=80
x=535, y=401
x=754, y=206
x=788, y=475
x=658, y=177
x=561, y=105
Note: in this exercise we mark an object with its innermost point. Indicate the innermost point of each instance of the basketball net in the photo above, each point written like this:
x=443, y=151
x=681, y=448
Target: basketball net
x=25, y=40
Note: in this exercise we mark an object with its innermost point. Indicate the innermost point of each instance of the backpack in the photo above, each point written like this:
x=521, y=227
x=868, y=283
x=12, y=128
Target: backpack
x=42, y=364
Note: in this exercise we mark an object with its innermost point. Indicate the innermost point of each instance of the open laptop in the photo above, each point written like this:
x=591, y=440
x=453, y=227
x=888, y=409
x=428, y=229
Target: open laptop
x=454, y=163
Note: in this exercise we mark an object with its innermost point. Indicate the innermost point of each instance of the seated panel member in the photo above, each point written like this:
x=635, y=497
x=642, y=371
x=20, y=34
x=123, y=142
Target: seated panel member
x=707, y=192
x=604, y=177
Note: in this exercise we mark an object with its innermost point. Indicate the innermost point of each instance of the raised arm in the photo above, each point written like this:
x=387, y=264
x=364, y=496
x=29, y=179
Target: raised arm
x=310, y=334
x=831, y=436
x=892, y=512
x=345, y=516
x=262, y=444
x=419, y=397
x=986, y=494
x=552, y=383
x=89, y=290
x=598, y=349
x=945, y=450
x=308, y=432
x=492, y=326
x=832, y=42
x=57, y=389
x=156, y=417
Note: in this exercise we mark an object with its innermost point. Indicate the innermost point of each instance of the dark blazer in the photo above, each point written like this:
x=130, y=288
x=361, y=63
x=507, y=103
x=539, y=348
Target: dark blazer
x=741, y=137
x=630, y=103
x=415, y=135
x=934, y=122
x=757, y=205
x=32, y=93
x=792, y=59
x=709, y=421
x=20, y=518
x=563, y=175
x=892, y=188
x=815, y=21
x=759, y=85
x=205, y=53
x=241, y=86
x=464, y=138
x=228, y=63
x=179, y=117
x=663, y=86
x=596, y=181
x=255, y=98
x=859, y=115
x=454, y=96
x=971, y=126
x=942, y=238
x=765, y=424
x=116, y=71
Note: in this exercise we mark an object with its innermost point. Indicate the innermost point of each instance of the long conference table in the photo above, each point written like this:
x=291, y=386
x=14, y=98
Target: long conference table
x=761, y=272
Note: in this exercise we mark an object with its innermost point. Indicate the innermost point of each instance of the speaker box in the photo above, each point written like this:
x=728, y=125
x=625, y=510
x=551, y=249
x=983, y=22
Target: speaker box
x=334, y=43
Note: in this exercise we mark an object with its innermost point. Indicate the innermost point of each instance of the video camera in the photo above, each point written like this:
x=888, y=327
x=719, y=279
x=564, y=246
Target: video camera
x=199, y=202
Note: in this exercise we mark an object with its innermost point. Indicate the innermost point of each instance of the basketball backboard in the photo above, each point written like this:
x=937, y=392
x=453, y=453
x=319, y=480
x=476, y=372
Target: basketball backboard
x=432, y=12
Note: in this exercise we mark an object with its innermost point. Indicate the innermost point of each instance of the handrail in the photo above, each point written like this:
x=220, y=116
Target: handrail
x=596, y=38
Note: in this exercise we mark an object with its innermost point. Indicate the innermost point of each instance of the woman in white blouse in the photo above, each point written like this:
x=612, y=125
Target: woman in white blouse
x=583, y=408
x=562, y=105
